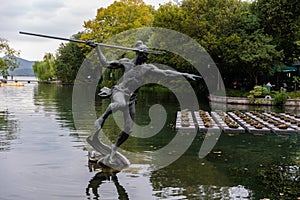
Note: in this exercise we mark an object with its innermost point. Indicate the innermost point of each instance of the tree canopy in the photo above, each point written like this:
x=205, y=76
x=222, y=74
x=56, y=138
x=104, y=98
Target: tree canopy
x=245, y=39
x=281, y=19
x=69, y=59
x=44, y=70
x=9, y=61
x=118, y=17
x=230, y=30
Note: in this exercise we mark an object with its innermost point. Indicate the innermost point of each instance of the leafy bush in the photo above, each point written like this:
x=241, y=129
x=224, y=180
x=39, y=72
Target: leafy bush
x=236, y=93
x=294, y=95
x=258, y=91
x=280, y=98
x=296, y=81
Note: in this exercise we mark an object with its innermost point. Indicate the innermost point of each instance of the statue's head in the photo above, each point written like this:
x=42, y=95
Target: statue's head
x=141, y=56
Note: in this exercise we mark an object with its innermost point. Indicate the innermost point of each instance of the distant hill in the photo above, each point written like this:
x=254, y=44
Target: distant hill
x=24, y=69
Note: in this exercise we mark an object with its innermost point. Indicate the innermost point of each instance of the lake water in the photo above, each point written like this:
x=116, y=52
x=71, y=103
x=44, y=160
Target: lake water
x=43, y=156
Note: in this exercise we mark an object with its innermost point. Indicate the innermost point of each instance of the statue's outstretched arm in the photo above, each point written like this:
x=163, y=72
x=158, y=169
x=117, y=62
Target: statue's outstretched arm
x=172, y=73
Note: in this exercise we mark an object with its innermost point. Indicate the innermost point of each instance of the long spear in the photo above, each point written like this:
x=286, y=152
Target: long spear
x=93, y=44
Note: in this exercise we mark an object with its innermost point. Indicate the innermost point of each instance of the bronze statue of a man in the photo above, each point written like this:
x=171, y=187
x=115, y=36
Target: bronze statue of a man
x=124, y=94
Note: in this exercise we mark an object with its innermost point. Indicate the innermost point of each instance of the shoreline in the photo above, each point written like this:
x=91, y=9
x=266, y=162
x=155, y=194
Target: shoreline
x=248, y=101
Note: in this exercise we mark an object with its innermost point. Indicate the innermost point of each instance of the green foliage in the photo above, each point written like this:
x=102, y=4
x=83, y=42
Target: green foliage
x=69, y=59
x=280, y=98
x=280, y=182
x=294, y=95
x=111, y=77
x=236, y=93
x=246, y=39
x=169, y=16
x=296, y=81
x=64, y=67
x=229, y=30
x=258, y=91
x=44, y=70
x=9, y=61
x=256, y=54
x=280, y=19
x=118, y=17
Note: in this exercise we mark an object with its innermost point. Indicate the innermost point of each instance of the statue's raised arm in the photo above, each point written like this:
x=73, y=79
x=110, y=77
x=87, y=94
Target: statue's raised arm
x=104, y=62
x=173, y=73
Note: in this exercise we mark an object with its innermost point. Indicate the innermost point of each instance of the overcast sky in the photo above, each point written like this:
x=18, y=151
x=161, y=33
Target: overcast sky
x=54, y=17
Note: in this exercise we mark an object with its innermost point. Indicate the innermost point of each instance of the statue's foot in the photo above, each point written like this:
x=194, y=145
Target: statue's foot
x=92, y=155
x=99, y=122
x=107, y=160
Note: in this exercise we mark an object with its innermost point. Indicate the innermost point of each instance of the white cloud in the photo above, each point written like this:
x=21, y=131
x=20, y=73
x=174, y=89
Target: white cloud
x=54, y=17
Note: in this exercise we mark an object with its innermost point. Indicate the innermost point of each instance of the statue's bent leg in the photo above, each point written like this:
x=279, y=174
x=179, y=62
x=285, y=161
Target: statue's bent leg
x=100, y=121
x=118, y=102
x=128, y=115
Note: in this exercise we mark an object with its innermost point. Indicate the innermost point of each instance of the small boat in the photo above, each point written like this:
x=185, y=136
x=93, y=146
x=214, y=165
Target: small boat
x=18, y=84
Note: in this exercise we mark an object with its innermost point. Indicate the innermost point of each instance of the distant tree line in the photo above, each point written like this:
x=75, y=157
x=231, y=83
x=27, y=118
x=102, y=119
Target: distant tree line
x=63, y=66
x=245, y=39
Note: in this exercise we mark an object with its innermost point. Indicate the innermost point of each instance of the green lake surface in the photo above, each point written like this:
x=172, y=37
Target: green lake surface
x=43, y=155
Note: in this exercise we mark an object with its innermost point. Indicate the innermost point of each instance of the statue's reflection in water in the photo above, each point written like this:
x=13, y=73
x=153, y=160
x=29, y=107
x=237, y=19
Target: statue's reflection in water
x=105, y=174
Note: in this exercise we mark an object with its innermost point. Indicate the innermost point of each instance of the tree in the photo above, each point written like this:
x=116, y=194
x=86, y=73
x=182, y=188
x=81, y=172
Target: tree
x=69, y=59
x=210, y=22
x=281, y=19
x=9, y=62
x=44, y=70
x=232, y=34
x=170, y=16
x=118, y=17
x=258, y=55
x=214, y=24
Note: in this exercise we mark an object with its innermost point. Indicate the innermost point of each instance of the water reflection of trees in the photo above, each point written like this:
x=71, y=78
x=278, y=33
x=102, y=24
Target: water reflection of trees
x=56, y=100
x=8, y=130
x=265, y=167
x=259, y=163
x=252, y=160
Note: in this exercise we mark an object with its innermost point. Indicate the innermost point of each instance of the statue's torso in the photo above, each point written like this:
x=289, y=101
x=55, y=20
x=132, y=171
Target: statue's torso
x=134, y=77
